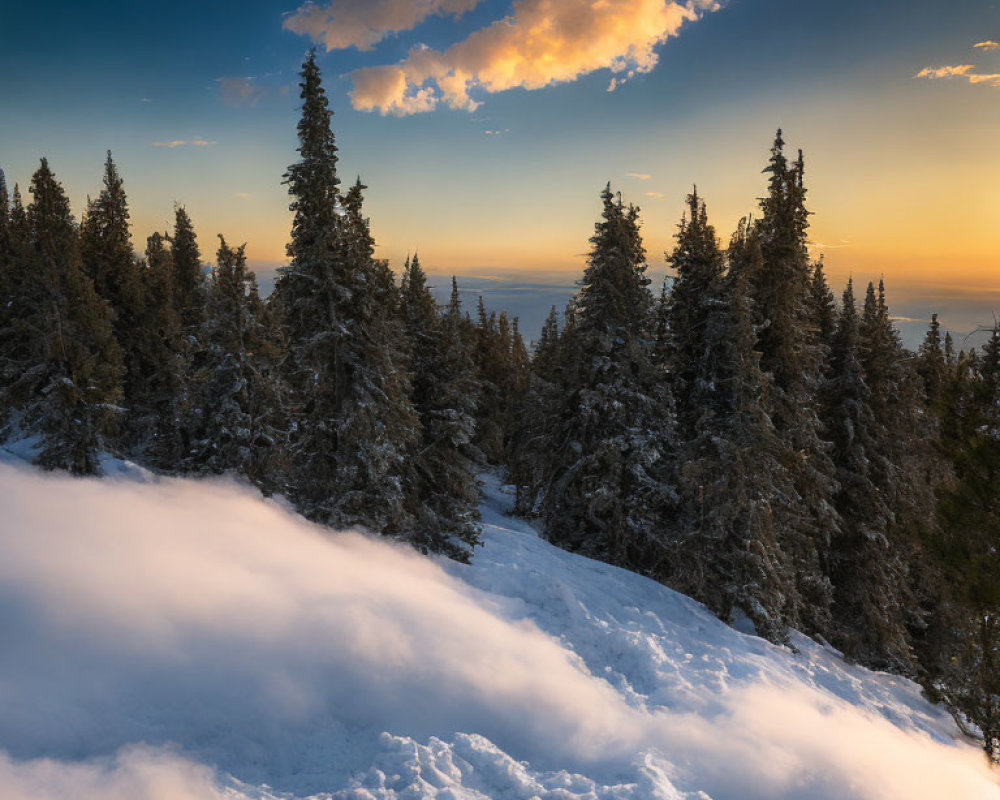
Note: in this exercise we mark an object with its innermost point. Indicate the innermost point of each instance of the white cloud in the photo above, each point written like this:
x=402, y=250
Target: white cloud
x=960, y=71
x=363, y=23
x=542, y=42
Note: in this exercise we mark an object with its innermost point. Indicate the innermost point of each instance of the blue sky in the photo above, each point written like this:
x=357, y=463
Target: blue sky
x=902, y=169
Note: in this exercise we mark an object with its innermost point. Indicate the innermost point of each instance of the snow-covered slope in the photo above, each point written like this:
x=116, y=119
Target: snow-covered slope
x=166, y=639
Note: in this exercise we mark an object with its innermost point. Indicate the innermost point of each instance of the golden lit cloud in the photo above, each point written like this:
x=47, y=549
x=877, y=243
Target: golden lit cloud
x=239, y=91
x=203, y=143
x=363, y=23
x=174, y=143
x=989, y=44
x=641, y=176
x=542, y=42
x=654, y=195
x=960, y=71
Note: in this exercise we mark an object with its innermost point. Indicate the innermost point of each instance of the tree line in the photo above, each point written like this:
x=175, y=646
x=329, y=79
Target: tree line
x=741, y=435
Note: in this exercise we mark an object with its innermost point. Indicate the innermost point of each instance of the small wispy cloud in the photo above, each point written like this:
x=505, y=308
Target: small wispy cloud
x=989, y=44
x=960, y=71
x=654, y=195
x=237, y=91
x=145, y=100
x=185, y=143
x=497, y=132
x=640, y=176
x=242, y=195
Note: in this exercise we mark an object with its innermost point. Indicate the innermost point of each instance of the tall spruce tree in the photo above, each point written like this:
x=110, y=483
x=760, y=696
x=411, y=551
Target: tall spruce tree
x=188, y=289
x=444, y=397
x=236, y=398
x=608, y=483
x=61, y=365
x=110, y=262
x=352, y=420
x=793, y=362
x=864, y=563
x=734, y=484
x=693, y=301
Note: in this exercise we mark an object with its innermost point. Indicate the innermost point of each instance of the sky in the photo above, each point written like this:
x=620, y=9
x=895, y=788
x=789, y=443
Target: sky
x=485, y=129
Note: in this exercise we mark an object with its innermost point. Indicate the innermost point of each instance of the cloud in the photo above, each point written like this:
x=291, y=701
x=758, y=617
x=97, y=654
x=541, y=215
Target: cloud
x=541, y=43
x=960, y=71
x=240, y=91
x=242, y=195
x=989, y=44
x=655, y=195
x=641, y=176
x=363, y=23
x=184, y=143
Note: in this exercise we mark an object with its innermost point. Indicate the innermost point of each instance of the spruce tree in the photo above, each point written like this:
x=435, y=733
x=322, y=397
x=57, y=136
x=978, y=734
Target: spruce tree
x=444, y=397
x=932, y=364
x=792, y=360
x=735, y=487
x=61, y=365
x=352, y=420
x=865, y=564
x=236, y=398
x=607, y=478
x=188, y=284
x=109, y=261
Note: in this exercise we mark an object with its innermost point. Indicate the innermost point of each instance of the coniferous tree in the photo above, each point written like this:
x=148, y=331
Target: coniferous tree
x=109, y=261
x=611, y=436
x=188, y=289
x=444, y=397
x=163, y=351
x=236, y=398
x=352, y=420
x=864, y=565
x=792, y=359
x=733, y=482
x=61, y=365
x=932, y=364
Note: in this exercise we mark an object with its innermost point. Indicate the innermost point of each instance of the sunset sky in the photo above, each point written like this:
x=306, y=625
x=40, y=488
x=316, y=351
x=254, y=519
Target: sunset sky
x=485, y=130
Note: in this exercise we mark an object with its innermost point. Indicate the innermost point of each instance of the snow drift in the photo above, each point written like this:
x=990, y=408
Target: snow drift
x=169, y=639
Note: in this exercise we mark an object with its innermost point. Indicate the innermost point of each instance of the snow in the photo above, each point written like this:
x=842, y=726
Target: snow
x=168, y=639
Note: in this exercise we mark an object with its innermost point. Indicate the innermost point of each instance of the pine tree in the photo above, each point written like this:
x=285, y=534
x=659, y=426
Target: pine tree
x=353, y=422
x=608, y=484
x=61, y=364
x=444, y=397
x=822, y=312
x=793, y=362
x=163, y=352
x=932, y=364
x=236, y=397
x=109, y=261
x=188, y=289
x=734, y=485
x=864, y=563
x=5, y=225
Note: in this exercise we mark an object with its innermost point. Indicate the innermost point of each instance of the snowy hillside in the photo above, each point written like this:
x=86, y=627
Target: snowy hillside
x=168, y=639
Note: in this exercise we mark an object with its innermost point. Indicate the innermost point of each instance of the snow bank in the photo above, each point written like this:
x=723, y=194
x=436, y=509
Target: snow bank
x=181, y=639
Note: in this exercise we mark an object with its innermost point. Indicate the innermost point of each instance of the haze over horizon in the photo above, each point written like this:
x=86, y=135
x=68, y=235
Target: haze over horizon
x=485, y=129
